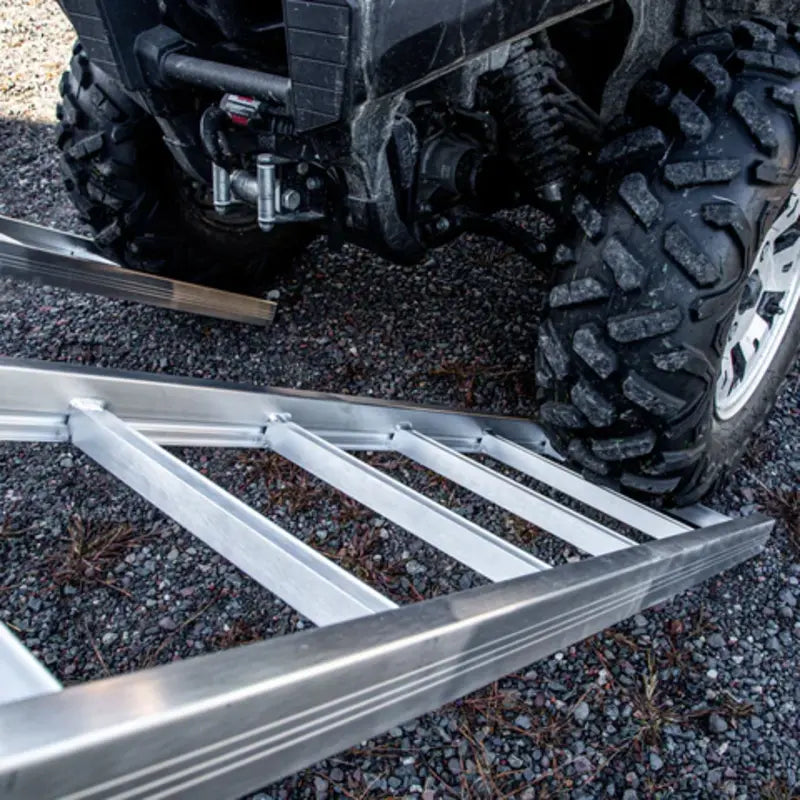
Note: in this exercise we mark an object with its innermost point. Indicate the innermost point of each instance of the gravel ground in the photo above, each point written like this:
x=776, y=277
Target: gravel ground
x=698, y=698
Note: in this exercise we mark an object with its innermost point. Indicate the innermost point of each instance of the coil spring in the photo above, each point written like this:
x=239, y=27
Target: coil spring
x=529, y=101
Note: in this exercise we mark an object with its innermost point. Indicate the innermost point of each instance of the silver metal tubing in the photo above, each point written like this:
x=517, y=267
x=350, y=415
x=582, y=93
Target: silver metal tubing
x=55, y=241
x=35, y=398
x=221, y=188
x=39, y=255
x=307, y=581
x=266, y=178
x=561, y=521
x=33, y=428
x=622, y=508
x=461, y=539
x=245, y=186
x=699, y=515
x=223, y=725
x=21, y=675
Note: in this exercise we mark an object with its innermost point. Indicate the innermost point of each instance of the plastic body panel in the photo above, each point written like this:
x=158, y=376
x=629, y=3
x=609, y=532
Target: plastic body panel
x=108, y=29
x=406, y=43
x=341, y=53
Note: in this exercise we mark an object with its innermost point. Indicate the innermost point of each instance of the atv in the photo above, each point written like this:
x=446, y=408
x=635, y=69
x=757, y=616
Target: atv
x=212, y=140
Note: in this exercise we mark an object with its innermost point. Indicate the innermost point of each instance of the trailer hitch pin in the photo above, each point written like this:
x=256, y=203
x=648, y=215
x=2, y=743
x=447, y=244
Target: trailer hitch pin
x=267, y=191
x=221, y=186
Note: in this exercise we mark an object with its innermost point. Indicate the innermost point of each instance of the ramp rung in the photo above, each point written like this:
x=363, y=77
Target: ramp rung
x=699, y=515
x=563, y=522
x=621, y=508
x=307, y=581
x=461, y=539
x=21, y=675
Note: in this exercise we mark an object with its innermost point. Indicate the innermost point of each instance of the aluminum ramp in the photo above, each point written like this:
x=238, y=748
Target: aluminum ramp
x=34, y=254
x=224, y=724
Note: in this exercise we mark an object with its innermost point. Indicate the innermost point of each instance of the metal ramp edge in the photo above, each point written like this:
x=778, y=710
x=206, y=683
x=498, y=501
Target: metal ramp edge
x=40, y=255
x=224, y=724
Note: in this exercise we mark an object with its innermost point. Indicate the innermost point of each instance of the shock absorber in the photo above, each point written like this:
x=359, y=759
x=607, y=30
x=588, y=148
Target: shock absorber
x=539, y=119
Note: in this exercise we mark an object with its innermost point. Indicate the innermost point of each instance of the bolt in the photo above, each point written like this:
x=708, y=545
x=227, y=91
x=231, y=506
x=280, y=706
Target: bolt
x=772, y=307
x=312, y=184
x=442, y=224
x=290, y=199
x=302, y=168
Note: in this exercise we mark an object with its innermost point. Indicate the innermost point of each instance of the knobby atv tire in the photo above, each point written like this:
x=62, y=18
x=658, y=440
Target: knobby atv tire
x=663, y=238
x=144, y=210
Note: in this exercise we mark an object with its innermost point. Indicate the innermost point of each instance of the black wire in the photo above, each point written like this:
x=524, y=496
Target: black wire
x=212, y=137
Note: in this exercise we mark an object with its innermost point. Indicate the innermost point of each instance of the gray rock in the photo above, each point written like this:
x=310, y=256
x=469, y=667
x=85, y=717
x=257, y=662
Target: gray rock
x=788, y=598
x=655, y=762
x=714, y=776
x=581, y=712
x=582, y=765
x=717, y=724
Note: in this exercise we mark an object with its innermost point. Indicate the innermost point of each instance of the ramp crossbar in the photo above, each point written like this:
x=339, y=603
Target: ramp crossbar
x=21, y=675
x=224, y=724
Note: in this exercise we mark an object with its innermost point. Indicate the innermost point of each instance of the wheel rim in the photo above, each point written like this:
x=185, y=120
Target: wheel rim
x=764, y=314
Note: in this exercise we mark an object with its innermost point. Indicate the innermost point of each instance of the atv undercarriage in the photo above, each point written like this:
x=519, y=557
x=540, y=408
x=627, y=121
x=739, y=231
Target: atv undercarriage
x=213, y=139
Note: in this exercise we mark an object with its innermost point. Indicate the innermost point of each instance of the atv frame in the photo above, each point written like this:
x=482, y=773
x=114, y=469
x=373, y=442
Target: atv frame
x=333, y=85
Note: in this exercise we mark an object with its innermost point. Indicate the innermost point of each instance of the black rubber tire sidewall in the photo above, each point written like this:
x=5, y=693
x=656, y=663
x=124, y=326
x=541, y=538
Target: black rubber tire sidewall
x=145, y=211
x=690, y=451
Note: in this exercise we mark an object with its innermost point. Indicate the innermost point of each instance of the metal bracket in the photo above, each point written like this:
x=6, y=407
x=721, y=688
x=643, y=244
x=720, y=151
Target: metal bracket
x=274, y=205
